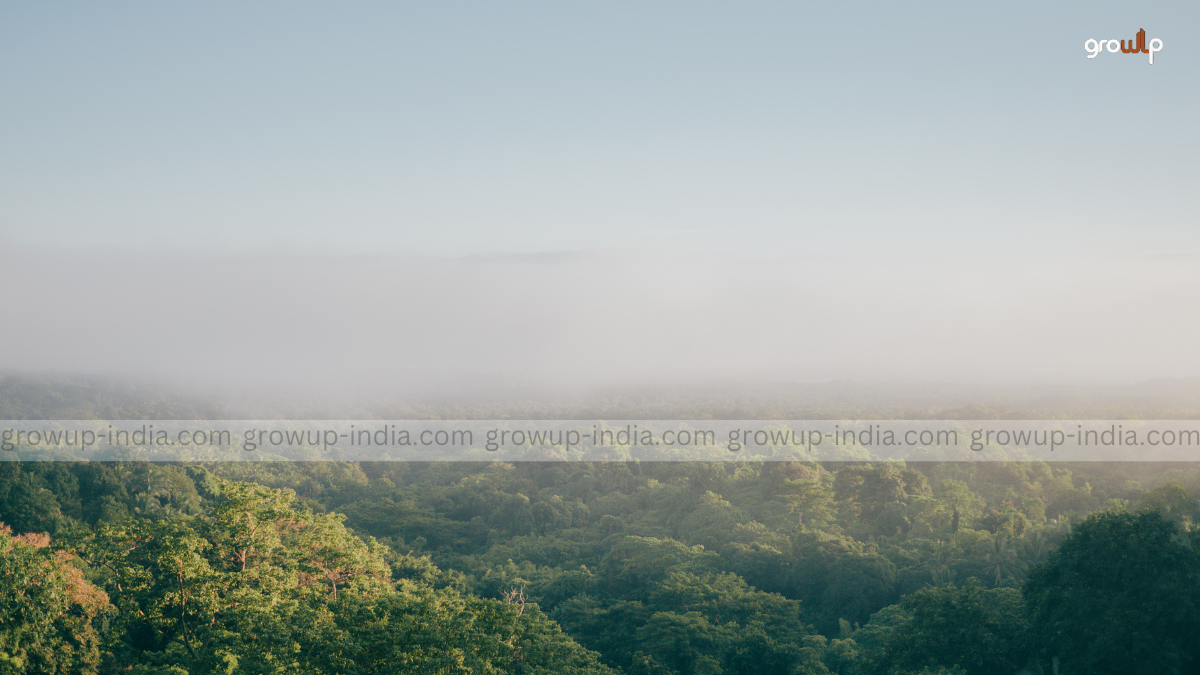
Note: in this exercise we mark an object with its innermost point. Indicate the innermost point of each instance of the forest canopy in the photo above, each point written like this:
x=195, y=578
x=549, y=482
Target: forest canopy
x=637, y=568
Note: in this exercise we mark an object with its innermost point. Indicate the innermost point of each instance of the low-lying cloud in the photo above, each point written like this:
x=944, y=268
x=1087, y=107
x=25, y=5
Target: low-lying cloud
x=581, y=319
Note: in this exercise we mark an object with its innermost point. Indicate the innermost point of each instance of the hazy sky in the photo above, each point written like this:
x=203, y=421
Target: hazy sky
x=842, y=159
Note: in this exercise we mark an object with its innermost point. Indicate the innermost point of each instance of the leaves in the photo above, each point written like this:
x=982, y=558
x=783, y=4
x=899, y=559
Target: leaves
x=661, y=568
x=1120, y=595
x=260, y=584
x=49, y=615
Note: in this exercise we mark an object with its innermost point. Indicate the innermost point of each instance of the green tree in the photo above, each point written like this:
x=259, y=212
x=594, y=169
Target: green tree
x=1000, y=559
x=260, y=584
x=810, y=500
x=940, y=564
x=1175, y=502
x=425, y=631
x=48, y=612
x=1120, y=595
x=976, y=629
x=960, y=505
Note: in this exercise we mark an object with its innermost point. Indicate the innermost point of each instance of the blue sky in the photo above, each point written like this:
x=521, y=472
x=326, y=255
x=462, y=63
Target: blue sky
x=451, y=128
x=607, y=191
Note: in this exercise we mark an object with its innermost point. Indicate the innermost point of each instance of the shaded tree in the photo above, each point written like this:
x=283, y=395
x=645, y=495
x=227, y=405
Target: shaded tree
x=1120, y=595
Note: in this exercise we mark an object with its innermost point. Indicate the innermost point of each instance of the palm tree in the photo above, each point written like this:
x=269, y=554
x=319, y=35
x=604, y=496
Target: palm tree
x=145, y=504
x=1036, y=549
x=1067, y=521
x=938, y=564
x=1000, y=557
x=1118, y=505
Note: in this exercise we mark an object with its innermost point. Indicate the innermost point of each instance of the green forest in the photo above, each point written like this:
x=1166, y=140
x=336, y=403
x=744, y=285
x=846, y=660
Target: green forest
x=619, y=567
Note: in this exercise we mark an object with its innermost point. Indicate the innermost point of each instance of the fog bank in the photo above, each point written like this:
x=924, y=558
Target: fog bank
x=599, y=318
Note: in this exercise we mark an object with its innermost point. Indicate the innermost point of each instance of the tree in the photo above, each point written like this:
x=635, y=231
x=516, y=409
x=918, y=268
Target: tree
x=811, y=499
x=1000, y=558
x=25, y=503
x=940, y=563
x=48, y=612
x=260, y=584
x=1005, y=520
x=973, y=628
x=1036, y=549
x=684, y=642
x=1175, y=502
x=960, y=504
x=1120, y=595
x=424, y=631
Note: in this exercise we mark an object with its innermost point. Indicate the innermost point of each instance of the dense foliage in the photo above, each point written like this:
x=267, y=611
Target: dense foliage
x=647, y=568
x=47, y=609
x=687, y=568
x=253, y=583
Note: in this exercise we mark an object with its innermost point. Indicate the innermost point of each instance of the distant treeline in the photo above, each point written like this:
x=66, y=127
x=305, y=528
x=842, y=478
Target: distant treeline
x=67, y=396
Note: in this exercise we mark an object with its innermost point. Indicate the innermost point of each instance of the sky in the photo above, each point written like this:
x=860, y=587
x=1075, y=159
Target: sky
x=954, y=189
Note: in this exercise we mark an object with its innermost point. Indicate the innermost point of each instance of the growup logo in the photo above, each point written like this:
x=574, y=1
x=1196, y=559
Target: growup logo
x=1137, y=46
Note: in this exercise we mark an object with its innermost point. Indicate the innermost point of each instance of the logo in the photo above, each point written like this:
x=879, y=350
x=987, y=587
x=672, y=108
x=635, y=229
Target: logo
x=1137, y=46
